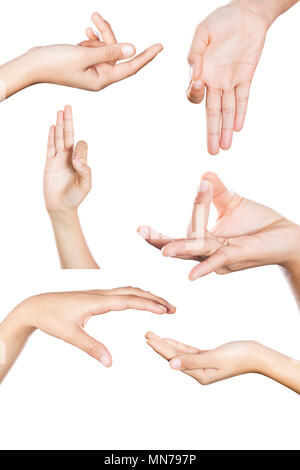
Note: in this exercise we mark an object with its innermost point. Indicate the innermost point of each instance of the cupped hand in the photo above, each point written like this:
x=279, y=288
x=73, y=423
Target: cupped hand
x=246, y=234
x=209, y=366
x=91, y=65
x=223, y=57
x=65, y=314
x=67, y=177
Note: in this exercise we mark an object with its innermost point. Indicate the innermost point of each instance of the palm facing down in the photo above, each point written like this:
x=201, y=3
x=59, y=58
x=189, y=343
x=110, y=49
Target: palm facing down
x=246, y=235
x=224, y=54
x=67, y=178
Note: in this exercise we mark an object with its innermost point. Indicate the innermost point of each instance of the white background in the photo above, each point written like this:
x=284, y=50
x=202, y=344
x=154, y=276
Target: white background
x=147, y=150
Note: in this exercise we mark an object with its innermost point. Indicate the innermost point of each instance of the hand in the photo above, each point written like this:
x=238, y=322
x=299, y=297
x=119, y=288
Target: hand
x=207, y=367
x=91, y=65
x=246, y=235
x=224, y=54
x=67, y=178
x=64, y=315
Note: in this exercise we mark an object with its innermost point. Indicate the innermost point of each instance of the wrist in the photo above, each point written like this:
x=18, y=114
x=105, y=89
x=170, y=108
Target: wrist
x=18, y=324
x=64, y=216
x=265, y=9
x=292, y=262
x=17, y=74
x=259, y=358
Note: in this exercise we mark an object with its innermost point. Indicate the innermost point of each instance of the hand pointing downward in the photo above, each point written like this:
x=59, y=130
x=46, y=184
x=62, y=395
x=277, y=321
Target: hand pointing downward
x=64, y=315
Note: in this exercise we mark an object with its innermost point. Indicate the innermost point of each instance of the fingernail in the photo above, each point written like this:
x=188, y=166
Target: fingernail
x=191, y=71
x=198, y=84
x=143, y=233
x=97, y=34
x=78, y=163
x=127, y=51
x=169, y=253
x=161, y=309
x=175, y=364
x=204, y=185
x=105, y=360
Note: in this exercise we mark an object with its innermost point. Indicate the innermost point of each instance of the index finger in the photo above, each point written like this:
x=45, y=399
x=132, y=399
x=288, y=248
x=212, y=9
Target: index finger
x=154, y=238
x=131, y=67
x=200, y=214
x=104, y=29
x=108, y=303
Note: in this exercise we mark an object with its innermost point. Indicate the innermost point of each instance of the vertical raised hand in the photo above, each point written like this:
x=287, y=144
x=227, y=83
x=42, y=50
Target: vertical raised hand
x=67, y=181
x=67, y=178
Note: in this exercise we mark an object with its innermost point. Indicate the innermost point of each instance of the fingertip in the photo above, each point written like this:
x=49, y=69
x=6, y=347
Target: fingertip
x=128, y=50
x=68, y=111
x=209, y=176
x=168, y=252
x=143, y=231
x=106, y=360
x=192, y=276
x=158, y=46
x=238, y=127
x=213, y=150
x=150, y=334
x=96, y=14
x=225, y=145
x=175, y=364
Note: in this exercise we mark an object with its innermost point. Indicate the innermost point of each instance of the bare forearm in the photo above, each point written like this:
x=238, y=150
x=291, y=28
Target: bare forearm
x=279, y=367
x=16, y=75
x=72, y=248
x=270, y=9
x=292, y=273
x=13, y=336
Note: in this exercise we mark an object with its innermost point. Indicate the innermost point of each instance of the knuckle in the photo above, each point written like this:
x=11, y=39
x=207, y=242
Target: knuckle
x=94, y=350
x=204, y=381
x=228, y=110
x=110, y=54
x=211, y=112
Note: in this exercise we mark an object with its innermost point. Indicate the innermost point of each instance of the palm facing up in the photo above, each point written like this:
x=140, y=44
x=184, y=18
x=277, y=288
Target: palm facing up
x=207, y=367
x=67, y=178
x=224, y=54
x=246, y=235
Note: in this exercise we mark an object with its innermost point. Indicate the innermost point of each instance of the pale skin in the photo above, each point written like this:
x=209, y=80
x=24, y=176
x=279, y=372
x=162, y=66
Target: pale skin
x=226, y=361
x=91, y=65
x=67, y=181
x=224, y=54
x=64, y=315
x=246, y=235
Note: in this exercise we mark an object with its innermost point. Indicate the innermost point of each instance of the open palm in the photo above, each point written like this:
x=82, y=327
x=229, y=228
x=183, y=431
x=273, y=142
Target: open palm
x=246, y=235
x=207, y=366
x=67, y=178
x=224, y=55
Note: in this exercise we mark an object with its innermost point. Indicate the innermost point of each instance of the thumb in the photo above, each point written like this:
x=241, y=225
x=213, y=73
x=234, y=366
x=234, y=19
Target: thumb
x=80, y=163
x=92, y=347
x=223, y=198
x=200, y=214
x=196, y=89
x=109, y=53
